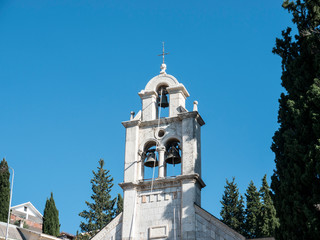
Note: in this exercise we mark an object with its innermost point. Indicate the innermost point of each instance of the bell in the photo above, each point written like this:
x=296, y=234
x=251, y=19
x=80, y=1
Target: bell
x=151, y=160
x=173, y=156
x=163, y=101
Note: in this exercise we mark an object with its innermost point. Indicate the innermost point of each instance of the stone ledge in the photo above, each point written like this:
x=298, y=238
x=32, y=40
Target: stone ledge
x=165, y=121
x=163, y=182
x=131, y=123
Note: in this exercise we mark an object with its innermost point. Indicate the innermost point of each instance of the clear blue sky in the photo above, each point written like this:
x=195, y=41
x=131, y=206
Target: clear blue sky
x=70, y=72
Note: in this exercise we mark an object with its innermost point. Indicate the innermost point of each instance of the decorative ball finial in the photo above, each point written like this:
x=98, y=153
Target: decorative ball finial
x=163, y=68
x=195, y=106
x=132, y=115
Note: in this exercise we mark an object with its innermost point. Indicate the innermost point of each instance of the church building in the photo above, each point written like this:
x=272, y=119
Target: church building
x=162, y=171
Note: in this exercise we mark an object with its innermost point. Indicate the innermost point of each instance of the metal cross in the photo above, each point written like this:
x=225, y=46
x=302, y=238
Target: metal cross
x=163, y=53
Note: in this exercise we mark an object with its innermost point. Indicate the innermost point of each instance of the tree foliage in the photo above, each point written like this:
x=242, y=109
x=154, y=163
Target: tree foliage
x=259, y=218
x=119, y=208
x=296, y=144
x=252, y=212
x=101, y=210
x=232, y=212
x=4, y=190
x=51, y=223
x=269, y=221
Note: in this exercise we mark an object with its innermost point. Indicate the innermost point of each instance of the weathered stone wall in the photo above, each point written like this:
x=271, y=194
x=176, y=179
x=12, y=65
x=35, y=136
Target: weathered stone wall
x=159, y=214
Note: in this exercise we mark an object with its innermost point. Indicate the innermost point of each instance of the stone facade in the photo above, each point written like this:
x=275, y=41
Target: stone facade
x=164, y=207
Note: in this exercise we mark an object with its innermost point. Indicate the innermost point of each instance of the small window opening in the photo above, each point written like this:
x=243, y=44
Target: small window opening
x=161, y=133
x=150, y=162
x=25, y=209
x=173, y=158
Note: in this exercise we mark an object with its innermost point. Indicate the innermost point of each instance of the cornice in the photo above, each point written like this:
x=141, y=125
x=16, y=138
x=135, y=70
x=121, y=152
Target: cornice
x=163, y=182
x=131, y=123
x=178, y=89
x=163, y=121
x=145, y=94
x=194, y=114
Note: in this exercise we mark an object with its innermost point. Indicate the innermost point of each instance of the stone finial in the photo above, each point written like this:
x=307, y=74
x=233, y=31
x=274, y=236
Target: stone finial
x=131, y=115
x=195, y=106
x=163, y=68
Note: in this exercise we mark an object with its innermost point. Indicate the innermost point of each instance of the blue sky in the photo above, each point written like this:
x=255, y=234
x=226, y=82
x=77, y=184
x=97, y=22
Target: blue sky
x=70, y=72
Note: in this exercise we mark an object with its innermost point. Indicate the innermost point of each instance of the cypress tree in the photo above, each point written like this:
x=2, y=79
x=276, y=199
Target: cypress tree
x=51, y=223
x=296, y=144
x=232, y=212
x=253, y=212
x=269, y=221
x=4, y=190
x=119, y=208
x=101, y=211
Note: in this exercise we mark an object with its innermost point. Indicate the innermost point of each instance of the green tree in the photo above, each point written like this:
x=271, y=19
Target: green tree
x=296, y=144
x=101, y=211
x=119, y=208
x=51, y=223
x=252, y=212
x=232, y=212
x=4, y=190
x=269, y=221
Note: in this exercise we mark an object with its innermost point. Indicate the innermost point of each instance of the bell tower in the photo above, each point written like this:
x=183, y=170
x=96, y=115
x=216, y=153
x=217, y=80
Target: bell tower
x=162, y=206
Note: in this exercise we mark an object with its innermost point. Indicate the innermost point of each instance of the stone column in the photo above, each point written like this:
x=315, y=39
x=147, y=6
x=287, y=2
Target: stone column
x=161, y=150
x=149, y=105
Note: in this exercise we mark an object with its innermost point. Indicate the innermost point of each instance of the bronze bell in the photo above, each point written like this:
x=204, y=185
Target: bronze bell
x=163, y=101
x=151, y=160
x=173, y=156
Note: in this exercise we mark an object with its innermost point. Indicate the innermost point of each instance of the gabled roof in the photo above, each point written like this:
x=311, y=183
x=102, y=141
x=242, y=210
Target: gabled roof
x=30, y=205
x=103, y=233
x=211, y=218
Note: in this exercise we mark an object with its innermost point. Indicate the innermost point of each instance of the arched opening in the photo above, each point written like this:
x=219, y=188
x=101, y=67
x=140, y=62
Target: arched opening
x=173, y=158
x=162, y=101
x=150, y=161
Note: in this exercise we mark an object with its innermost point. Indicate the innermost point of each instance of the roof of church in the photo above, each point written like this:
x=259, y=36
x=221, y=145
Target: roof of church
x=109, y=227
x=212, y=218
x=13, y=232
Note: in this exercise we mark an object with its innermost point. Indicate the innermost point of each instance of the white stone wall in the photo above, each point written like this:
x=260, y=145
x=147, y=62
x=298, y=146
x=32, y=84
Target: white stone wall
x=159, y=214
x=191, y=145
x=131, y=154
x=29, y=211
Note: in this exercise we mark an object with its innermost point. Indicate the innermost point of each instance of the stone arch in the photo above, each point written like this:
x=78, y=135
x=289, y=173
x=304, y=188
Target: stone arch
x=159, y=80
x=148, y=144
x=173, y=169
x=170, y=139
